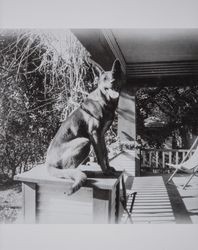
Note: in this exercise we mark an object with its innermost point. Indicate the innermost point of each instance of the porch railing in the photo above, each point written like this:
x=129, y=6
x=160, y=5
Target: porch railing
x=155, y=160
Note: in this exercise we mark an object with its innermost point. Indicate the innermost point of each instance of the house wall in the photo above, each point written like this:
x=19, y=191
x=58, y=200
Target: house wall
x=127, y=114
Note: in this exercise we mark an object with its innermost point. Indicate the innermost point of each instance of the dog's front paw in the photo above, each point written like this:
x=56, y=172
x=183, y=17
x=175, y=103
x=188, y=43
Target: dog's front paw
x=110, y=171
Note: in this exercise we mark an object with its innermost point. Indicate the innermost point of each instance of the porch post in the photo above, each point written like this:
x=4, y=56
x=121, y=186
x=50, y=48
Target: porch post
x=127, y=121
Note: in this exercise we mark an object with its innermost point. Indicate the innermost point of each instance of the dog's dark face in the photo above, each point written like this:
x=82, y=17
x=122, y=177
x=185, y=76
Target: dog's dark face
x=110, y=81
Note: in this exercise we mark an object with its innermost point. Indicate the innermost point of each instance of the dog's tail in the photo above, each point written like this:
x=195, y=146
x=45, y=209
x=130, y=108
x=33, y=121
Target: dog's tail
x=74, y=174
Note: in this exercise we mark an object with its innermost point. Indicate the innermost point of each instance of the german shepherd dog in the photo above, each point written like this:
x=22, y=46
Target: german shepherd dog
x=85, y=126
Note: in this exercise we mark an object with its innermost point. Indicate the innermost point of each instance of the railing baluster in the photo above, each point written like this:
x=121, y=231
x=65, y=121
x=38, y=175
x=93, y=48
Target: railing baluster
x=163, y=159
x=170, y=157
x=147, y=158
x=183, y=155
x=150, y=159
x=157, y=159
x=142, y=157
x=177, y=157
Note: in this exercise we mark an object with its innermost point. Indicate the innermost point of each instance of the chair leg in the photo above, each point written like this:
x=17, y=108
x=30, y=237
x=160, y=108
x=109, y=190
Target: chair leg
x=170, y=178
x=133, y=200
x=128, y=217
x=188, y=180
x=124, y=200
x=129, y=212
x=124, y=193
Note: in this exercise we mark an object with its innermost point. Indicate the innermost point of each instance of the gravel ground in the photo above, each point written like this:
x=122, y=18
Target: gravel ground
x=10, y=203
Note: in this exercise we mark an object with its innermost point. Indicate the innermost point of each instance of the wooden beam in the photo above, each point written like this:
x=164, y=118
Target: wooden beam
x=110, y=38
x=96, y=44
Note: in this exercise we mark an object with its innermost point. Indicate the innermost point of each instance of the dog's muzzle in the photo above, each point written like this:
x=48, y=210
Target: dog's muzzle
x=112, y=93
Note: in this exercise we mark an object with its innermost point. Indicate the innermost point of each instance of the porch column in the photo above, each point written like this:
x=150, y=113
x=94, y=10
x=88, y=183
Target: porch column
x=127, y=122
x=127, y=115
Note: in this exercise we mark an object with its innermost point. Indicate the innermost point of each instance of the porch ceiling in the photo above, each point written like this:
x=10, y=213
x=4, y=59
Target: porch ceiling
x=157, y=45
x=145, y=53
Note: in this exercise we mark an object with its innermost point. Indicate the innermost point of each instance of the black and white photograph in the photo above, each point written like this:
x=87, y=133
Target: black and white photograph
x=99, y=128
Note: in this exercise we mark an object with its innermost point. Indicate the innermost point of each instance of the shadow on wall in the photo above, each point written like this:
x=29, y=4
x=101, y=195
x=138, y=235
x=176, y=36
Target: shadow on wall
x=127, y=136
x=127, y=114
x=126, y=117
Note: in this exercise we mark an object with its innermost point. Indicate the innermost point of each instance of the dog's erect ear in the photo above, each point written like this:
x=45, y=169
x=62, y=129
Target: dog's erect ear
x=116, y=69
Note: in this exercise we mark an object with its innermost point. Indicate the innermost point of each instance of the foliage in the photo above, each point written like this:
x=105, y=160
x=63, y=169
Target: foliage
x=10, y=203
x=175, y=106
x=44, y=75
